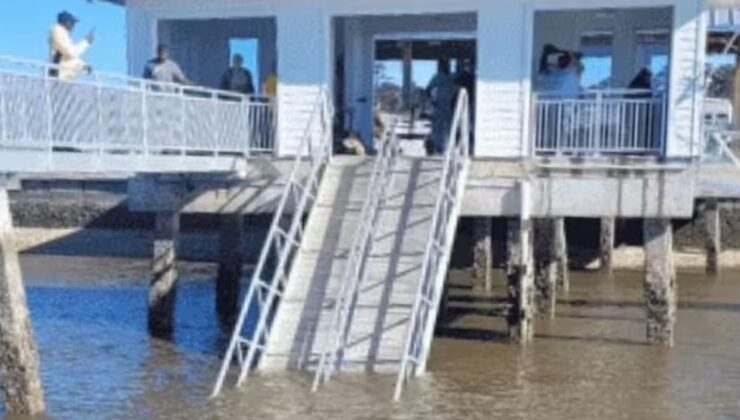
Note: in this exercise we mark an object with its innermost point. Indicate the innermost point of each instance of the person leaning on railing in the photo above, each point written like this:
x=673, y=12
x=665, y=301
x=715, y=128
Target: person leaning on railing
x=65, y=53
x=162, y=69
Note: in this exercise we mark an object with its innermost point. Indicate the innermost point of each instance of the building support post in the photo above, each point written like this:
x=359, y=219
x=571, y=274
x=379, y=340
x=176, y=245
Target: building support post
x=22, y=390
x=660, y=281
x=482, y=255
x=561, y=255
x=163, y=288
x=545, y=267
x=713, y=236
x=520, y=273
x=231, y=261
x=606, y=244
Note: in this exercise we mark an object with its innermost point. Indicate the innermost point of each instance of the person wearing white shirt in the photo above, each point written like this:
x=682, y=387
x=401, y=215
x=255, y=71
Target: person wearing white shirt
x=65, y=53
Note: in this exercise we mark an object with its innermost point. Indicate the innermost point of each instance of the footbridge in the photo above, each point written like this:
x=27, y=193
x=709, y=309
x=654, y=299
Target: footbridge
x=102, y=123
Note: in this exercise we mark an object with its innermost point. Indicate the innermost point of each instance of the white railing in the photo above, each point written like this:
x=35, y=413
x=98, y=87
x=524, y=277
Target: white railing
x=357, y=264
x=721, y=147
x=270, y=277
x=439, y=248
x=599, y=122
x=115, y=114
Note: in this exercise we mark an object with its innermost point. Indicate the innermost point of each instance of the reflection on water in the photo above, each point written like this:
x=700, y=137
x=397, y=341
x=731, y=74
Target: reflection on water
x=97, y=360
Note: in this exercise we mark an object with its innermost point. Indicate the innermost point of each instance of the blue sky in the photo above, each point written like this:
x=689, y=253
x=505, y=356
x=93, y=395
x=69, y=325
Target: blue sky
x=25, y=27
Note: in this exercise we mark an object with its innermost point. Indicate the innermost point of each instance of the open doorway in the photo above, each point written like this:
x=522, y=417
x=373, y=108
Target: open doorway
x=404, y=70
x=384, y=64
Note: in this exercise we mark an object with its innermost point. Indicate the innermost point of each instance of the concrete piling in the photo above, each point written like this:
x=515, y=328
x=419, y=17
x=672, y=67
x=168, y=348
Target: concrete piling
x=545, y=267
x=231, y=261
x=660, y=281
x=560, y=245
x=19, y=362
x=713, y=236
x=163, y=288
x=606, y=244
x=482, y=254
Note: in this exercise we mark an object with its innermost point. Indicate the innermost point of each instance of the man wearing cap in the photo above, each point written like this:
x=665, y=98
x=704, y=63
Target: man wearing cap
x=64, y=52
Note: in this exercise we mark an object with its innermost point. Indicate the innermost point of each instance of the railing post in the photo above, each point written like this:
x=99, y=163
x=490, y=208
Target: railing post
x=48, y=86
x=144, y=117
x=99, y=124
x=599, y=119
x=3, y=122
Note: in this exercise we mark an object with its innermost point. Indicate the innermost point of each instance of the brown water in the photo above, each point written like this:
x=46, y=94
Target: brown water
x=590, y=363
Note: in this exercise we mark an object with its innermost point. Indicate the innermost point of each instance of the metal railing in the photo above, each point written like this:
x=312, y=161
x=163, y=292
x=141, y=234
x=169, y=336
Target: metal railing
x=116, y=114
x=357, y=263
x=721, y=147
x=252, y=329
x=599, y=122
x=439, y=248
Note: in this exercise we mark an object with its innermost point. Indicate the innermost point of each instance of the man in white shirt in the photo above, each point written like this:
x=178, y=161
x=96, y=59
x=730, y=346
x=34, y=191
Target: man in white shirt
x=65, y=53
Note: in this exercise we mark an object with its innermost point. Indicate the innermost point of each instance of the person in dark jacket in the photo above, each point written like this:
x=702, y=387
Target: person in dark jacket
x=238, y=79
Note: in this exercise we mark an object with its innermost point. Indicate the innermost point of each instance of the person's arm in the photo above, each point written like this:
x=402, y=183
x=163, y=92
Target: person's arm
x=179, y=76
x=62, y=43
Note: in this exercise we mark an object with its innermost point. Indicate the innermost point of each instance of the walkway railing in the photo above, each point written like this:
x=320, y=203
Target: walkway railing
x=439, y=248
x=356, y=269
x=114, y=114
x=599, y=122
x=270, y=277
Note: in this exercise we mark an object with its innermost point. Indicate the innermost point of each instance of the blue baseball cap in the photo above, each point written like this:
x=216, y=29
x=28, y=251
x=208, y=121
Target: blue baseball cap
x=66, y=17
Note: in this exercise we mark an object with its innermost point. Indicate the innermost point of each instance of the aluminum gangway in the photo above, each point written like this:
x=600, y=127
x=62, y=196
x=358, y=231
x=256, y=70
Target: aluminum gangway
x=103, y=122
x=262, y=301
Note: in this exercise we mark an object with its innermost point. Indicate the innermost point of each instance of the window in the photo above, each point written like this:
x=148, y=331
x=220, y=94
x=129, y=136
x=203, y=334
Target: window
x=653, y=52
x=597, y=49
x=248, y=48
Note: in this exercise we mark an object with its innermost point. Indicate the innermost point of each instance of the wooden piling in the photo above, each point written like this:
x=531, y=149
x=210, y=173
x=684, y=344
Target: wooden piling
x=231, y=261
x=163, y=288
x=660, y=281
x=606, y=247
x=482, y=254
x=19, y=362
x=561, y=255
x=545, y=267
x=713, y=235
x=520, y=272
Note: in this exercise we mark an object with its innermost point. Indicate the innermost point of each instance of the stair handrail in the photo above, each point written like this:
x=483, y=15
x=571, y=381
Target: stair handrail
x=356, y=269
x=439, y=244
x=302, y=193
x=720, y=138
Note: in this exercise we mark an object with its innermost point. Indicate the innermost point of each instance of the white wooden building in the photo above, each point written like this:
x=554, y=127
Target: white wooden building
x=305, y=43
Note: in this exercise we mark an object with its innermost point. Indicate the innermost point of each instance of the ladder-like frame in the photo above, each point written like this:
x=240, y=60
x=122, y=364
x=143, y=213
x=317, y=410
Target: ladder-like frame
x=268, y=283
x=356, y=269
x=439, y=248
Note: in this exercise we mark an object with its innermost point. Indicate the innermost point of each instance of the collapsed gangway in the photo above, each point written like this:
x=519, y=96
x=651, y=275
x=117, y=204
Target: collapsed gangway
x=357, y=286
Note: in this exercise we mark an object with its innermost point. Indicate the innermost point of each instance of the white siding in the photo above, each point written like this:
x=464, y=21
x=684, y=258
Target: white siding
x=687, y=80
x=503, y=79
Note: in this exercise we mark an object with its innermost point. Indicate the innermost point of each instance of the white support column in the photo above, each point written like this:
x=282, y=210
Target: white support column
x=483, y=254
x=713, y=234
x=22, y=390
x=606, y=244
x=520, y=273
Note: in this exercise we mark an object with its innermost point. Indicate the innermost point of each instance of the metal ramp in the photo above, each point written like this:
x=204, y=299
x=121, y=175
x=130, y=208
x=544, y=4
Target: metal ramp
x=266, y=295
x=102, y=123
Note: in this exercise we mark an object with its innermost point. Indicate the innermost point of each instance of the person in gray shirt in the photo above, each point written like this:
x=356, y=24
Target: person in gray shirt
x=163, y=69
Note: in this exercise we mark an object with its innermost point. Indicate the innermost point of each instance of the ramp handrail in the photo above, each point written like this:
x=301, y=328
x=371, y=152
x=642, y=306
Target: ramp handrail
x=108, y=113
x=356, y=268
x=265, y=290
x=439, y=247
x=721, y=140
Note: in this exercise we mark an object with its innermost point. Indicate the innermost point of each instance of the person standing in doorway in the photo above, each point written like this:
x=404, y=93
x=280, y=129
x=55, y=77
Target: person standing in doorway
x=442, y=91
x=237, y=78
x=163, y=69
x=65, y=53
